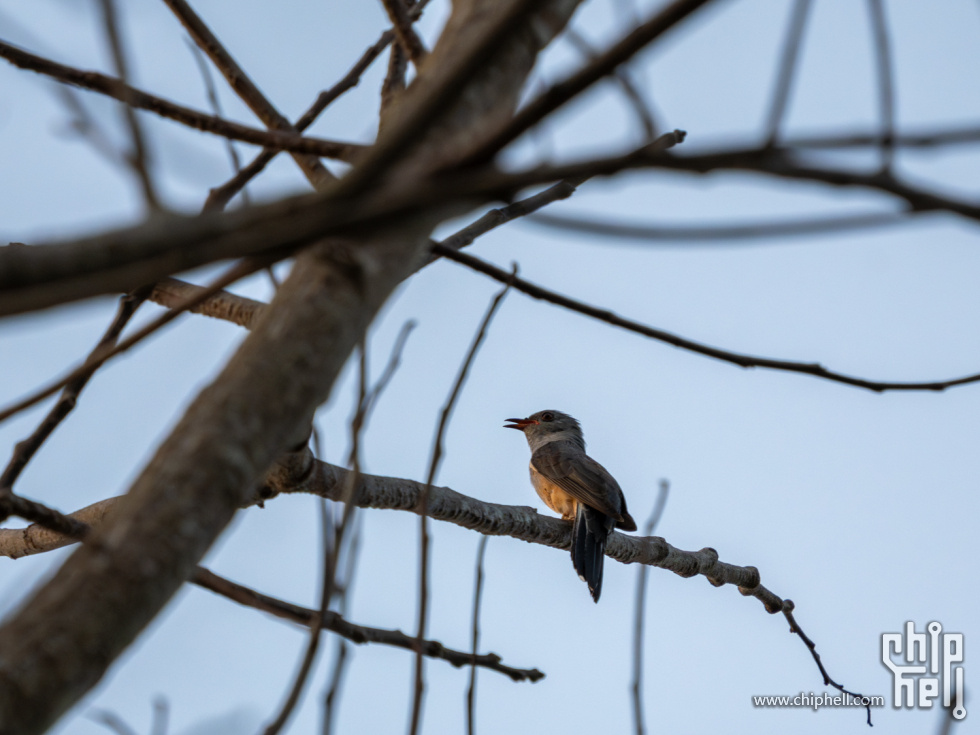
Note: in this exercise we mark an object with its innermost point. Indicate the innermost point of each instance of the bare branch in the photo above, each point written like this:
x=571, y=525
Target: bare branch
x=434, y=461
x=139, y=159
x=26, y=449
x=639, y=615
x=602, y=66
x=736, y=358
x=886, y=88
x=315, y=172
x=96, y=82
x=526, y=524
x=212, y=94
x=787, y=69
x=562, y=190
x=794, y=627
x=401, y=22
x=475, y=638
x=94, y=361
x=112, y=721
x=220, y=196
x=356, y=633
x=630, y=90
x=723, y=231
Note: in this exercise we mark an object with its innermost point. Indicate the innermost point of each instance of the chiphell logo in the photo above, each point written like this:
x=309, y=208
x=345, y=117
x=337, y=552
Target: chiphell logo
x=927, y=664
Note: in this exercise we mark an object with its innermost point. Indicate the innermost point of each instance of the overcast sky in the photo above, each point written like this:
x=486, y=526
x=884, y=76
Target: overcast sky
x=859, y=507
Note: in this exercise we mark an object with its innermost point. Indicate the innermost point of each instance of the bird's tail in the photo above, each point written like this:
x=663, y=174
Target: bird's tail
x=590, y=529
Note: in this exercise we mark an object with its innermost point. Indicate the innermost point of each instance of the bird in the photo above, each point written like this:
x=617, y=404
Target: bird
x=577, y=487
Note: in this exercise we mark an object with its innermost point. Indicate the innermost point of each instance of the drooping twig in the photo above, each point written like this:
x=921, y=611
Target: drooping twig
x=794, y=627
x=639, y=616
x=475, y=638
x=746, y=361
x=792, y=44
x=434, y=461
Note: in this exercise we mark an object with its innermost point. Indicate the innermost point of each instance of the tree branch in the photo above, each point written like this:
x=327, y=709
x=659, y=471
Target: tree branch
x=736, y=358
x=111, y=87
x=334, y=622
x=263, y=402
x=519, y=522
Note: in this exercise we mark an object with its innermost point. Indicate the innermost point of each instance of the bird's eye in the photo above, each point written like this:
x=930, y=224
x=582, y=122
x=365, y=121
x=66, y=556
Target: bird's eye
x=547, y=416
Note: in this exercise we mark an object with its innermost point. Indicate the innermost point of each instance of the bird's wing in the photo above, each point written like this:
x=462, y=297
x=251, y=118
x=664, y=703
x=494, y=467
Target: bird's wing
x=580, y=476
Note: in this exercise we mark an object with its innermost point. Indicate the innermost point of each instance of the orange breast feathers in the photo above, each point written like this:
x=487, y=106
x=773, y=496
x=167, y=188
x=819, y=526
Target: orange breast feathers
x=553, y=496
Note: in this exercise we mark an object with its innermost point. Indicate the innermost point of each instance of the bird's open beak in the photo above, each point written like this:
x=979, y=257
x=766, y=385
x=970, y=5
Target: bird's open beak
x=519, y=424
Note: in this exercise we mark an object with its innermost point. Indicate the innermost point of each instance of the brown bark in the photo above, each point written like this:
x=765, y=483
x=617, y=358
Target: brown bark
x=64, y=638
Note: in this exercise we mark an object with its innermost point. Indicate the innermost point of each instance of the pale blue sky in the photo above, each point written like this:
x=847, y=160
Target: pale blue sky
x=859, y=507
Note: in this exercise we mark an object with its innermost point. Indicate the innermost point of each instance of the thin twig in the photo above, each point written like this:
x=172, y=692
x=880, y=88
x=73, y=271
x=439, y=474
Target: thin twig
x=434, y=462
x=742, y=360
x=332, y=551
x=235, y=273
x=394, y=82
x=161, y=716
x=787, y=69
x=316, y=627
x=886, y=85
x=96, y=82
x=493, y=519
x=221, y=195
x=139, y=158
x=385, y=155
x=358, y=634
x=401, y=21
x=625, y=82
x=212, y=95
x=639, y=615
x=723, y=231
x=475, y=638
x=247, y=90
x=112, y=721
x=524, y=207
x=331, y=699
x=26, y=449
x=603, y=65
x=794, y=627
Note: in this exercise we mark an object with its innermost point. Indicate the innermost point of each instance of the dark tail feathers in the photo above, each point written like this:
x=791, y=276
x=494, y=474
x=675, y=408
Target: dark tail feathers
x=590, y=529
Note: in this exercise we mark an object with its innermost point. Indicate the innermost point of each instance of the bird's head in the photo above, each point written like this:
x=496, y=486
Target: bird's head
x=547, y=426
